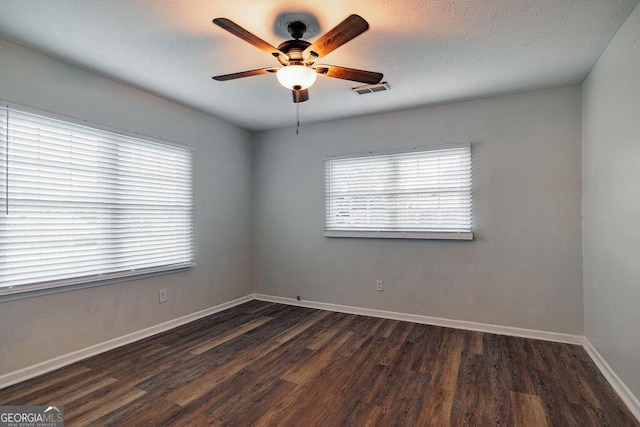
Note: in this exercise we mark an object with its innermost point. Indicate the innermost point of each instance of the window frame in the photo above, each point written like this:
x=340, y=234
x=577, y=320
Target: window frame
x=9, y=293
x=399, y=234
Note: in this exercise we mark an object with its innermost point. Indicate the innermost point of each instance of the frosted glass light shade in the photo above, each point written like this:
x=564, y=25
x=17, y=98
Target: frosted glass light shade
x=296, y=75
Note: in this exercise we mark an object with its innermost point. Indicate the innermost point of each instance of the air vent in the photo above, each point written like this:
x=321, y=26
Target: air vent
x=379, y=87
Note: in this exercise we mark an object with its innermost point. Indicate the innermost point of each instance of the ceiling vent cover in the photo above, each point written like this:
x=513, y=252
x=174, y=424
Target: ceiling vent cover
x=364, y=89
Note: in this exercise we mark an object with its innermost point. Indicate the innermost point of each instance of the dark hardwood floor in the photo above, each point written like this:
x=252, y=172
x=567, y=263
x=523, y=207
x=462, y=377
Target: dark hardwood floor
x=269, y=364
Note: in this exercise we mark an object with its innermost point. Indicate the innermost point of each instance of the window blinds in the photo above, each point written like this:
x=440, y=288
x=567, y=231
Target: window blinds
x=417, y=194
x=82, y=204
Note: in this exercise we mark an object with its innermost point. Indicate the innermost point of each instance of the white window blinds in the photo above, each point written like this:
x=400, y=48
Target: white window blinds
x=80, y=204
x=417, y=194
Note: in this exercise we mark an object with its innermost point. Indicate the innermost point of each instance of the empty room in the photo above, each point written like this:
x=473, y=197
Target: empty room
x=250, y=212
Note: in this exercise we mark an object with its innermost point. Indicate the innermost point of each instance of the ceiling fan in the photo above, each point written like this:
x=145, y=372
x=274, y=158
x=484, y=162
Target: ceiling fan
x=298, y=57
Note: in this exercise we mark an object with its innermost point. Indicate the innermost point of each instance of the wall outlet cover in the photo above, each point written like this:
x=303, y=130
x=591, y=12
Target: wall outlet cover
x=163, y=295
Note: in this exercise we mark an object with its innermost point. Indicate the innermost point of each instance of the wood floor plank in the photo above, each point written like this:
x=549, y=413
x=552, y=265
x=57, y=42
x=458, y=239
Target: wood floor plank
x=268, y=364
x=527, y=410
x=444, y=376
x=241, y=385
x=190, y=391
x=566, y=356
x=473, y=342
x=255, y=306
x=304, y=372
x=76, y=393
x=403, y=403
x=364, y=415
x=352, y=388
x=185, y=382
x=279, y=409
x=204, y=328
x=62, y=389
x=181, y=374
x=417, y=333
x=388, y=328
x=468, y=406
x=373, y=382
x=301, y=327
x=348, y=382
x=520, y=366
x=245, y=409
x=496, y=402
x=19, y=392
x=560, y=411
x=208, y=344
x=339, y=322
x=394, y=342
x=122, y=355
x=613, y=409
x=316, y=405
x=147, y=368
x=433, y=340
x=359, y=392
x=139, y=412
x=100, y=403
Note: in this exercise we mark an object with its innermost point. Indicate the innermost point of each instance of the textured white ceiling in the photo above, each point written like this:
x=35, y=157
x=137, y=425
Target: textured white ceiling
x=430, y=51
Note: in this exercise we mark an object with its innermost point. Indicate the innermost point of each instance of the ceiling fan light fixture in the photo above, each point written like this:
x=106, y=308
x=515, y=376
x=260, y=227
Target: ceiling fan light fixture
x=296, y=76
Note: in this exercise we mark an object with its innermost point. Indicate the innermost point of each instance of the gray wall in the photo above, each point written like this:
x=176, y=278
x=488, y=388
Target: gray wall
x=522, y=270
x=37, y=329
x=611, y=203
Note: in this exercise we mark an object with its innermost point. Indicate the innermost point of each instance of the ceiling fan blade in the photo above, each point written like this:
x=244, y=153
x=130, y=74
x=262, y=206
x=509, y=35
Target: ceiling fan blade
x=241, y=74
x=250, y=38
x=300, y=95
x=352, y=74
x=345, y=31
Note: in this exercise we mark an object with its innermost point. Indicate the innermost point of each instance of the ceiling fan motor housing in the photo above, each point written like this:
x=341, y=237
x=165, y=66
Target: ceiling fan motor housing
x=293, y=49
x=296, y=29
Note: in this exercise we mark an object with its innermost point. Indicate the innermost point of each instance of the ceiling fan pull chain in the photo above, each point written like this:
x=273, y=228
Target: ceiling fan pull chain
x=297, y=118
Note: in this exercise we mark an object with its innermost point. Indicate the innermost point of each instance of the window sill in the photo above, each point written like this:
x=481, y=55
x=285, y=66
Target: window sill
x=423, y=235
x=41, y=289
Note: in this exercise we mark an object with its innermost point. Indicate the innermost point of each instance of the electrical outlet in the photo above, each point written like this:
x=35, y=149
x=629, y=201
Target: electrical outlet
x=379, y=286
x=163, y=296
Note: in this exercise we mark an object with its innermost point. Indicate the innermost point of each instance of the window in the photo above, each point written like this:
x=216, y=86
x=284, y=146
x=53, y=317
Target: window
x=80, y=204
x=419, y=194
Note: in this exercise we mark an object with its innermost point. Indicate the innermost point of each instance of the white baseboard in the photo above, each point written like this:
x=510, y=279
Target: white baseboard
x=618, y=385
x=75, y=356
x=428, y=320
